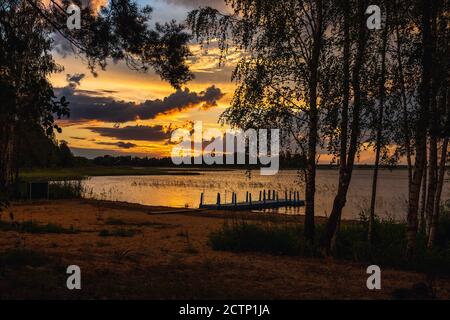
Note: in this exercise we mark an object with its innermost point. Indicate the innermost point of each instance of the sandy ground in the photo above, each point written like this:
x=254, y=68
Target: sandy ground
x=169, y=258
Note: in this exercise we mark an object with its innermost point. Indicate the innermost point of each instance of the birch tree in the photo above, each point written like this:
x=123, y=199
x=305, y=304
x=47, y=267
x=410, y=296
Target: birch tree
x=355, y=35
x=278, y=77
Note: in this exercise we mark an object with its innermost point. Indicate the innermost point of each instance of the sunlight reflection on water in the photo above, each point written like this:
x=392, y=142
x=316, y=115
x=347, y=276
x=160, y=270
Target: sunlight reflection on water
x=184, y=191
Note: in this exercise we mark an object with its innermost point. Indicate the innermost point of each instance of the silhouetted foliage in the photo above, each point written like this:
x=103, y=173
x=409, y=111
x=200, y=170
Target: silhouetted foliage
x=30, y=30
x=285, y=54
x=315, y=69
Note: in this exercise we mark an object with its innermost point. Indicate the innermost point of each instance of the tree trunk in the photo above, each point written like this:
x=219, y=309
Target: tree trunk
x=6, y=157
x=421, y=128
x=313, y=127
x=437, y=198
x=346, y=174
x=432, y=182
x=335, y=215
x=339, y=200
x=379, y=132
x=311, y=180
x=423, y=203
x=404, y=102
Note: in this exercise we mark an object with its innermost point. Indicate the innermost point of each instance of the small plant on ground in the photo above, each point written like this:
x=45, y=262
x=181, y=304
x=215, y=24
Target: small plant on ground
x=34, y=227
x=117, y=233
x=22, y=257
x=119, y=222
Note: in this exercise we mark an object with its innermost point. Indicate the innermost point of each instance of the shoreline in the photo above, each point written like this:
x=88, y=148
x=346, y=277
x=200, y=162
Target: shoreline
x=83, y=172
x=196, y=212
x=166, y=255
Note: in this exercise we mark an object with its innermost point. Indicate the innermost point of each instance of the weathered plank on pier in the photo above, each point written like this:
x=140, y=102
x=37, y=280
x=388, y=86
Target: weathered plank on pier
x=254, y=205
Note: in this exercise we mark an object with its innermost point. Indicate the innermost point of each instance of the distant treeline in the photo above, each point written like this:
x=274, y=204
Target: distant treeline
x=287, y=161
x=39, y=151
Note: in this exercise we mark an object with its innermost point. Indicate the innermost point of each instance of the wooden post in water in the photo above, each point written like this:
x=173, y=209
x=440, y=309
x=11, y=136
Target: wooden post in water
x=285, y=196
x=218, y=199
x=260, y=196
x=273, y=195
x=290, y=195
x=298, y=196
x=246, y=197
x=264, y=199
x=201, y=199
x=250, y=198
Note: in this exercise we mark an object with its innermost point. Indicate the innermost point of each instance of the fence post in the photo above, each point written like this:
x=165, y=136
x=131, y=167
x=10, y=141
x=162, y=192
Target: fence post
x=201, y=199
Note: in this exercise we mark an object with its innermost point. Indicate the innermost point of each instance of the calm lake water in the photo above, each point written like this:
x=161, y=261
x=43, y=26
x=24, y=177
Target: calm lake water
x=184, y=191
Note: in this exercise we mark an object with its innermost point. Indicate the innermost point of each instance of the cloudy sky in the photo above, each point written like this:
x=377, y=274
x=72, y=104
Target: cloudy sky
x=125, y=112
x=122, y=112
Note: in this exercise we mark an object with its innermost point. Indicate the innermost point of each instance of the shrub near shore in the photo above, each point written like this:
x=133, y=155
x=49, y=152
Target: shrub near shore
x=387, y=249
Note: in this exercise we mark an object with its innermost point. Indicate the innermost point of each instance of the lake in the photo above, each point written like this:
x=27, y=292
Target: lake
x=185, y=191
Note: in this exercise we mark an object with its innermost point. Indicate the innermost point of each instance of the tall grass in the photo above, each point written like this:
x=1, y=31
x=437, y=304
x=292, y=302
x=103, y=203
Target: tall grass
x=73, y=189
x=240, y=236
x=387, y=249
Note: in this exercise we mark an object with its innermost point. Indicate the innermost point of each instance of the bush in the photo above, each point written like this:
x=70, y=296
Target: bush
x=66, y=190
x=268, y=238
x=117, y=233
x=388, y=247
x=443, y=235
x=115, y=222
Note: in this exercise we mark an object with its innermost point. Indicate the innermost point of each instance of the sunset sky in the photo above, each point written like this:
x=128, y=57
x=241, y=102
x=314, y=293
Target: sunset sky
x=122, y=112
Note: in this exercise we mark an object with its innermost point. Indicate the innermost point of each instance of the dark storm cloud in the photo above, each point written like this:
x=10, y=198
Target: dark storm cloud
x=92, y=153
x=75, y=79
x=88, y=106
x=194, y=4
x=120, y=144
x=143, y=133
x=61, y=45
x=95, y=92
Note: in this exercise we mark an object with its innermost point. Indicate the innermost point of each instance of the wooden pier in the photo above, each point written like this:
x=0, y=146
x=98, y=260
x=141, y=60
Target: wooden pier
x=267, y=199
